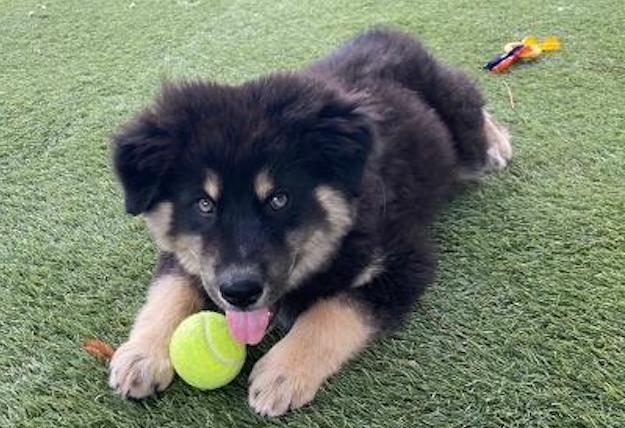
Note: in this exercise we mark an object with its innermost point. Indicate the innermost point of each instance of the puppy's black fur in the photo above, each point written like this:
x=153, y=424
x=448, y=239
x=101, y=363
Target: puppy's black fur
x=379, y=121
x=429, y=125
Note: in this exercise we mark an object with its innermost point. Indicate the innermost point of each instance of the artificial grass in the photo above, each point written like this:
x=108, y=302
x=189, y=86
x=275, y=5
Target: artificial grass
x=526, y=324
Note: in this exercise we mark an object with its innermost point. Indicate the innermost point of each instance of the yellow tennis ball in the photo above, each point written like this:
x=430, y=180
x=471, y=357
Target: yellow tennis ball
x=203, y=352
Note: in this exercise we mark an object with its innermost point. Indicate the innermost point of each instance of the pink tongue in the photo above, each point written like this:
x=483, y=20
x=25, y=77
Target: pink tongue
x=248, y=327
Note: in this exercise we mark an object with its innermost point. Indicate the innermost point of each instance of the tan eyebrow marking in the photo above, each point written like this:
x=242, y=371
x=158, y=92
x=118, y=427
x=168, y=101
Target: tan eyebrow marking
x=263, y=184
x=212, y=184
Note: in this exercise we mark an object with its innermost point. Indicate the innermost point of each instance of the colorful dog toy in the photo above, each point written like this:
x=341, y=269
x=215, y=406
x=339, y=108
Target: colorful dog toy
x=528, y=49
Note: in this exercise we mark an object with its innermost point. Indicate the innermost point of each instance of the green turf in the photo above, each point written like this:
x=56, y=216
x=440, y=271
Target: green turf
x=526, y=324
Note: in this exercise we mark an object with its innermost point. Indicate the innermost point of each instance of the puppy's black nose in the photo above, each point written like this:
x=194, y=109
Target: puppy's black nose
x=241, y=293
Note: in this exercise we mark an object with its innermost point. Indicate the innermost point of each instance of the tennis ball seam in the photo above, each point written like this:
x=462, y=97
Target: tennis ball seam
x=210, y=342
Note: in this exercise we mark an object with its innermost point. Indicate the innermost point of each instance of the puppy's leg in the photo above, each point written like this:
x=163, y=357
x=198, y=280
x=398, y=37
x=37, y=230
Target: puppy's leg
x=498, y=150
x=321, y=340
x=141, y=366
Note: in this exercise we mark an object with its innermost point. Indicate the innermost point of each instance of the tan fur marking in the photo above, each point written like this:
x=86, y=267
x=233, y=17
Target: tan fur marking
x=315, y=249
x=198, y=261
x=212, y=185
x=263, y=185
x=158, y=221
x=207, y=274
x=171, y=298
x=321, y=341
x=142, y=364
x=188, y=250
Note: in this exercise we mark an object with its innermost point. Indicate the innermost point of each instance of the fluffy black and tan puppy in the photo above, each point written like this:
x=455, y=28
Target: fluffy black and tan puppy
x=301, y=198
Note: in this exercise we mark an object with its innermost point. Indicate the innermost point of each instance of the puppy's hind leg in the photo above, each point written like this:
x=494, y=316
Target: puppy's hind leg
x=498, y=150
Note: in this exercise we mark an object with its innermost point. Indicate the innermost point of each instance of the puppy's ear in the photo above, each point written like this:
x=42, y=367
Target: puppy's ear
x=343, y=134
x=142, y=153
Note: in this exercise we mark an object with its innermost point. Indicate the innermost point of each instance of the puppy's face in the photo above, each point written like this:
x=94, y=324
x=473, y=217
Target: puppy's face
x=252, y=187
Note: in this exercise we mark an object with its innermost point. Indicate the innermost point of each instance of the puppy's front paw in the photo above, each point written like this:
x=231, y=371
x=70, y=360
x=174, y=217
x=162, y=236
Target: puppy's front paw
x=281, y=382
x=139, y=370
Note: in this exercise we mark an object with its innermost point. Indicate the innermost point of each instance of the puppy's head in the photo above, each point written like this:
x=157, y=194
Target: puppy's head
x=252, y=187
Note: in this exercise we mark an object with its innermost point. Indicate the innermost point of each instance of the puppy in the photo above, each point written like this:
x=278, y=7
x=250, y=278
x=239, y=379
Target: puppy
x=301, y=199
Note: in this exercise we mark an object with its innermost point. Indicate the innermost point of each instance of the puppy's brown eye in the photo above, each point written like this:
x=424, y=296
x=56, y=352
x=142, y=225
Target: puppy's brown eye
x=205, y=206
x=278, y=201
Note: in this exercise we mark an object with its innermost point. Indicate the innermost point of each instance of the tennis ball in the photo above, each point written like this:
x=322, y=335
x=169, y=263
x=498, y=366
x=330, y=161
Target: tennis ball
x=203, y=352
